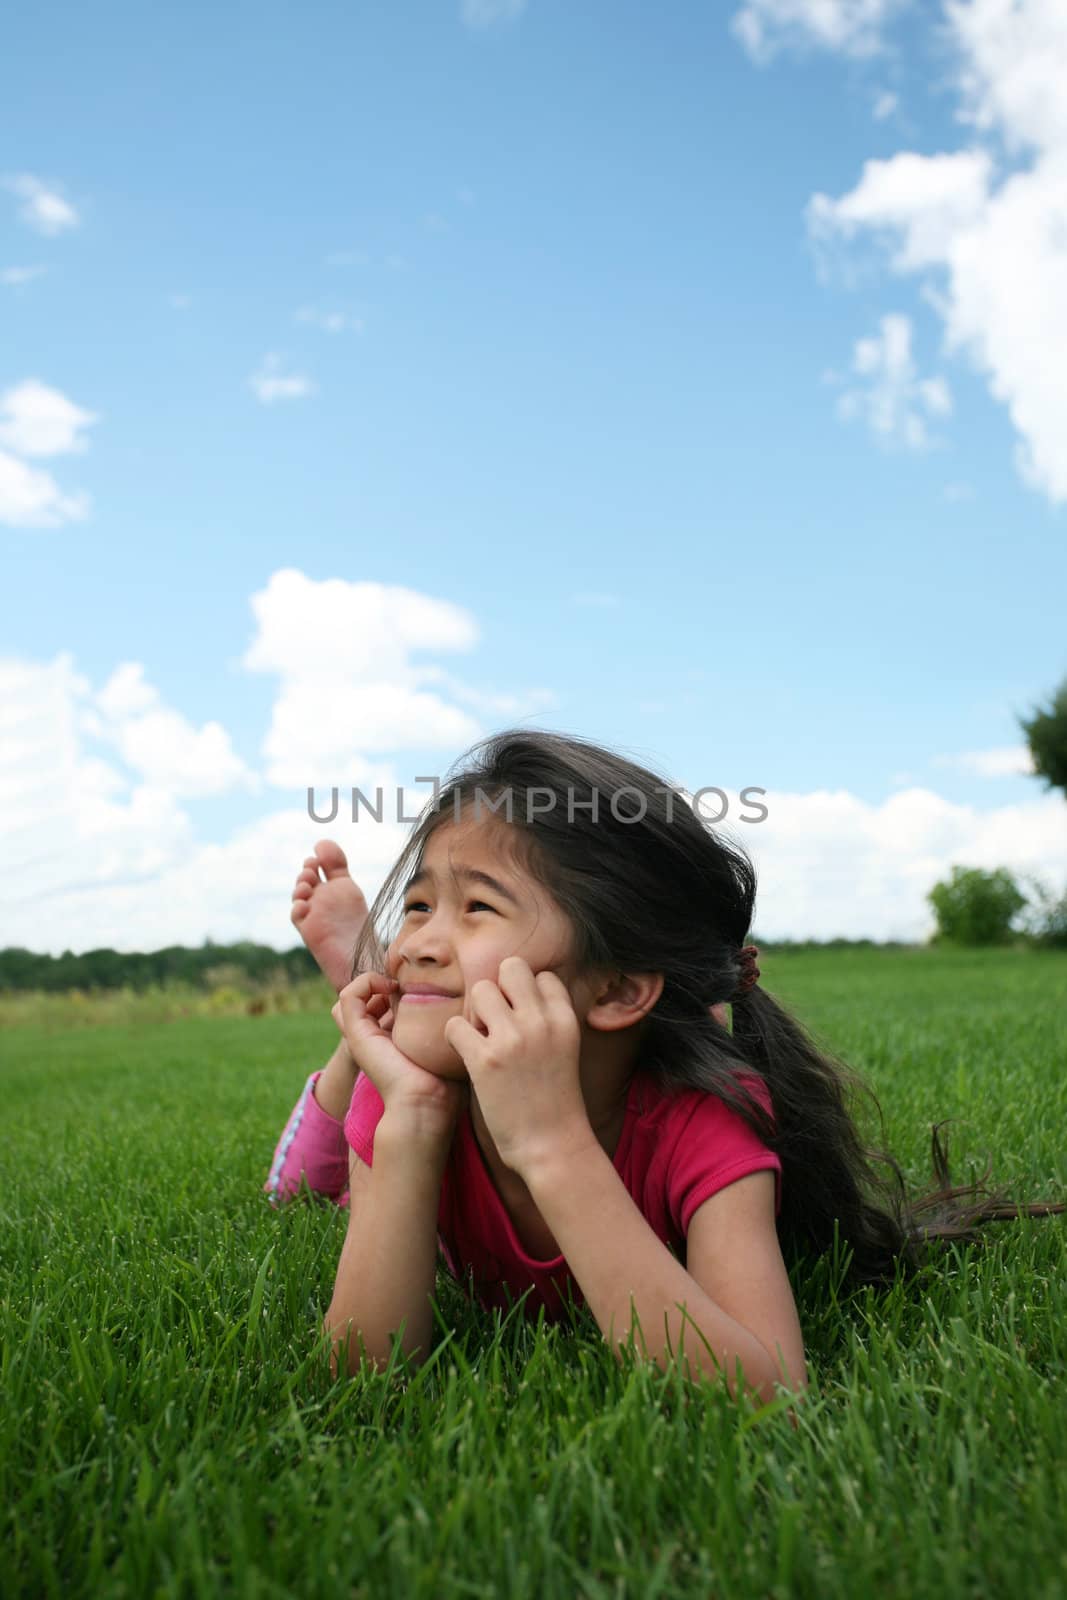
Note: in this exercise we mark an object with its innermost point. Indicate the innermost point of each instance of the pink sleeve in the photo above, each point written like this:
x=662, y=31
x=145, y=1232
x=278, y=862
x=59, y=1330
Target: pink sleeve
x=715, y=1149
x=312, y=1145
x=364, y=1114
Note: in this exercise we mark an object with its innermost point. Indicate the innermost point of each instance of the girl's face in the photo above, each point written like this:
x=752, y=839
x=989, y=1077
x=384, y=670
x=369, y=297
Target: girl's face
x=457, y=929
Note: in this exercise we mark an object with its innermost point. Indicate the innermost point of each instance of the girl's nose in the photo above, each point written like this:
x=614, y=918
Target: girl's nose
x=427, y=944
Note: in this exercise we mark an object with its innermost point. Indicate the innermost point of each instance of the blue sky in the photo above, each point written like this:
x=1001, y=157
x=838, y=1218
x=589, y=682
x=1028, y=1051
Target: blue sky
x=508, y=355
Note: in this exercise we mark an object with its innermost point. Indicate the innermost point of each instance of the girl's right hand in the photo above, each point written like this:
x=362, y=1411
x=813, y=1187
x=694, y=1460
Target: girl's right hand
x=365, y=1017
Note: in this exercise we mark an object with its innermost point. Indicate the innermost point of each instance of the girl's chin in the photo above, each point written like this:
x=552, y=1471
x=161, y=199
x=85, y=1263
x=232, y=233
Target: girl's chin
x=454, y=1070
x=438, y=1058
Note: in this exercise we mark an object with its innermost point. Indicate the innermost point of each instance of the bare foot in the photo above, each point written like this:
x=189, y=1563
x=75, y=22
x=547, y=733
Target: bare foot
x=328, y=916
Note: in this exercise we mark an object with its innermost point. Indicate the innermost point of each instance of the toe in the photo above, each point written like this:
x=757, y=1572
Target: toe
x=331, y=858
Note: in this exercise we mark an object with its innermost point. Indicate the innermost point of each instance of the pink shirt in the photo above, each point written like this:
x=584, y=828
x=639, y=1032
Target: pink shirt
x=673, y=1153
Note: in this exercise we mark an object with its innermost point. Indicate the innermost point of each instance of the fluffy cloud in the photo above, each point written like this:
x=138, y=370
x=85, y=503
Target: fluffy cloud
x=895, y=402
x=833, y=866
x=33, y=499
x=38, y=421
x=69, y=819
x=342, y=652
x=161, y=745
x=43, y=207
x=989, y=242
x=91, y=856
x=852, y=27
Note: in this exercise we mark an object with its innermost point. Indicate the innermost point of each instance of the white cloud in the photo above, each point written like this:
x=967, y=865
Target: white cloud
x=329, y=321
x=32, y=499
x=990, y=246
x=43, y=207
x=833, y=866
x=851, y=27
x=270, y=383
x=161, y=745
x=956, y=493
x=348, y=685
x=922, y=203
x=16, y=277
x=1013, y=63
x=180, y=302
x=1003, y=762
x=895, y=402
x=38, y=421
x=484, y=13
x=886, y=102
x=91, y=857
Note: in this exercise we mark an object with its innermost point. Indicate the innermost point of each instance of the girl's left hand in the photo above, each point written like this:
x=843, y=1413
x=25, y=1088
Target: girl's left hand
x=524, y=1069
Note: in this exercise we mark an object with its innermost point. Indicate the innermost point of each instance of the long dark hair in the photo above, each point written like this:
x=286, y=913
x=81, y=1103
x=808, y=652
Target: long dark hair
x=649, y=887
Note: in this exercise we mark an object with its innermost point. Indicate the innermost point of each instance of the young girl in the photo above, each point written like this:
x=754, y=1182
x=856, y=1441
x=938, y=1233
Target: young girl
x=536, y=1074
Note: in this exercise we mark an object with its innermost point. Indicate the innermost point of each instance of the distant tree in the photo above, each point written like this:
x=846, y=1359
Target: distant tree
x=1046, y=916
x=1046, y=734
x=976, y=907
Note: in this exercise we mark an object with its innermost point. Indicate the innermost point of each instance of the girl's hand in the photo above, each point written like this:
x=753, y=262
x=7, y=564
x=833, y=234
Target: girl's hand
x=524, y=1066
x=364, y=1015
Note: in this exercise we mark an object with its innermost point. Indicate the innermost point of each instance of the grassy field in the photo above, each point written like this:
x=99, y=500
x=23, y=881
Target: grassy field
x=169, y=1430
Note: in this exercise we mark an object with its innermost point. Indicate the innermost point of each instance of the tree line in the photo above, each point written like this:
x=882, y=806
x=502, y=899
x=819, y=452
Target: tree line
x=124, y=969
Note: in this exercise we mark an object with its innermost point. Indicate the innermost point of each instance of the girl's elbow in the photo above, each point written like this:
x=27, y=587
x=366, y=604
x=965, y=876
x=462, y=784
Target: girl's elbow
x=342, y=1338
x=347, y=1349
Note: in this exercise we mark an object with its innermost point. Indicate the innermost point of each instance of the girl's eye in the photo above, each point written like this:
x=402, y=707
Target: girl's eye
x=417, y=905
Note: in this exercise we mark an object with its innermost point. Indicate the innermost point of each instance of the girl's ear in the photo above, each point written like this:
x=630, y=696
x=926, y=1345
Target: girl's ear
x=623, y=998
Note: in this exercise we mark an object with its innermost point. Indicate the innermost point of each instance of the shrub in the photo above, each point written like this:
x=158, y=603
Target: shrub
x=976, y=907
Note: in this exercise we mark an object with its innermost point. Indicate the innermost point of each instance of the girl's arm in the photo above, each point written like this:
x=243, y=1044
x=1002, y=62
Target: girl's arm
x=624, y=1270
x=388, y=1265
x=312, y=1144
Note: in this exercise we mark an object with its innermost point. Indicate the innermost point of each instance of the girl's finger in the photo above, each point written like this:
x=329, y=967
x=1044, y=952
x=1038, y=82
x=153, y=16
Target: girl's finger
x=488, y=1003
x=366, y=984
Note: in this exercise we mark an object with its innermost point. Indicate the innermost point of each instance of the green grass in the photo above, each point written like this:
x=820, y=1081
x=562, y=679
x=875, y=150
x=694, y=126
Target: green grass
x=169, y=1430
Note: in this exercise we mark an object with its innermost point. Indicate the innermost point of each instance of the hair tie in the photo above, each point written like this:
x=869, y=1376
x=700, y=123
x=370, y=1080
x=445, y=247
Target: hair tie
x=749, y=970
